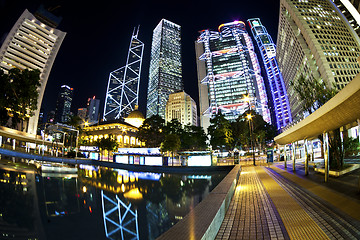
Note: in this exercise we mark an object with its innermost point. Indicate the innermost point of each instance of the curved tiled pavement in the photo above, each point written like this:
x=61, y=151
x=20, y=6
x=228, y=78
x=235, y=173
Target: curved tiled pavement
x=267, y=205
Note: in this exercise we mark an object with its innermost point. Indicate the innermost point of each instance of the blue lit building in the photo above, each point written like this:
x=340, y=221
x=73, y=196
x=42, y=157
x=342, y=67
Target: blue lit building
x=165, y=73
x=228, y=70
x=279, y=102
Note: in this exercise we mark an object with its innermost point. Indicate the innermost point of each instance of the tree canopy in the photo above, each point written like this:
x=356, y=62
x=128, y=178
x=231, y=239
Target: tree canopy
x=19, y=94
x=312, y=93
x=220, y=132
x=151, y=132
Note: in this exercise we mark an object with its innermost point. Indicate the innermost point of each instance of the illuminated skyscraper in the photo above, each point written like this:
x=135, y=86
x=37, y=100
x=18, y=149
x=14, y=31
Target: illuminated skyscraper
x=280, y=108
x=63, y=104
x=228, y=69
x=316, y=41
x=165, y=74
x=122, y=93
x=93, y=107
x=31, y=44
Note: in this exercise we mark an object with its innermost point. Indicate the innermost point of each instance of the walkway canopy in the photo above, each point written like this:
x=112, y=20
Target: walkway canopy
x=25, y=137
x=342, y=109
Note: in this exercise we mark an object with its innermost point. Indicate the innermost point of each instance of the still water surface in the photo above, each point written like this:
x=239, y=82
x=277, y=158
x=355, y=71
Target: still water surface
x=91, y=202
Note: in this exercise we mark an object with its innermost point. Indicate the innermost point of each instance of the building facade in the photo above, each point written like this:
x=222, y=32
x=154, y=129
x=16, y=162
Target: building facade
x=316, y=41
x=276, y=91
x=165, y=73
x=228, y=70
x=182, y=107
x=63, y=104
x=81, y=113
x=123, y=133
x=350, y=10
x=93, y=109
x=31, y=44
x=122, y=93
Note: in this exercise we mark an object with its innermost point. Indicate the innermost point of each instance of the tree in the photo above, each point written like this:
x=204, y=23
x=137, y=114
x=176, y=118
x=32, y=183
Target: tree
x=314, y=94
x=193, y=138
x=151, y=132
x=262, y=131
x=171, y=143
x=220, y=132
x=19, y=94
x=109, y=144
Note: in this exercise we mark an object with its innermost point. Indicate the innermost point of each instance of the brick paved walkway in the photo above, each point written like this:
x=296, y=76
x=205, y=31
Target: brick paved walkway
x=267, y=205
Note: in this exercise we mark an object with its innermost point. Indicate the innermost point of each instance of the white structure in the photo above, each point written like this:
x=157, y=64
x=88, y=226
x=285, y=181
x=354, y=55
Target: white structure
x=315, y=40
x=31, y=45
x=122, y=93
x=182, y=107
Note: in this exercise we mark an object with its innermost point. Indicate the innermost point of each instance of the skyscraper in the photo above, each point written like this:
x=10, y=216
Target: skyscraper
x=280, y=108
x=165, y=74
x=228, y=69
x=63, y=104
x=93, y=107
x=31, y=44
x=122, y=93
x=182, y=107
x=316, y=41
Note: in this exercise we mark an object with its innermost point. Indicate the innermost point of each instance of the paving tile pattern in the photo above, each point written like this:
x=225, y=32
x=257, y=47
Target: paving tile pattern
x=334, y=223
x=251, y=214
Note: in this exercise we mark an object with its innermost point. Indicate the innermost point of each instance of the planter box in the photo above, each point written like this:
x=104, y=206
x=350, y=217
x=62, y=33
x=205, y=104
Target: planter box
x=338, y=173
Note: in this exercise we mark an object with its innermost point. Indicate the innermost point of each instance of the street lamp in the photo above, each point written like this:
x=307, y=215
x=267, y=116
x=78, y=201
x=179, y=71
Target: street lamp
x=249, y=118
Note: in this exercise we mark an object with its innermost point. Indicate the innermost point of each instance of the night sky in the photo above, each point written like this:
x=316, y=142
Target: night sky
x=98, y=38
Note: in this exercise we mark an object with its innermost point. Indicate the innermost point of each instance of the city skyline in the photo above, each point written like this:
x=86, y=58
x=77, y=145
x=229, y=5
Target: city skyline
x=106, y=50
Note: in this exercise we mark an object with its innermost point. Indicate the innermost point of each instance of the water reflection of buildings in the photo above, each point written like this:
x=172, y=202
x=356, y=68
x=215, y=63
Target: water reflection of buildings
x=19, y=212
x=61, y=199
x=196, y=189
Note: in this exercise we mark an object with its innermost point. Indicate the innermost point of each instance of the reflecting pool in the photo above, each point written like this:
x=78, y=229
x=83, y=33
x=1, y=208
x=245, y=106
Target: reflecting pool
x=48, y=201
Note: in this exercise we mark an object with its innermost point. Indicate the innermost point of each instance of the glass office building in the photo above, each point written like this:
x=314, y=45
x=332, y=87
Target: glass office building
x=63, y=104
x=165, y=74
x=228, y=70
x=278, y=99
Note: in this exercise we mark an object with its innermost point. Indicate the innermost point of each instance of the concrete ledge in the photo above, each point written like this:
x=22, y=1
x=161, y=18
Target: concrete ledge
x=338, y=173
x=129, y=167
x=204, y=221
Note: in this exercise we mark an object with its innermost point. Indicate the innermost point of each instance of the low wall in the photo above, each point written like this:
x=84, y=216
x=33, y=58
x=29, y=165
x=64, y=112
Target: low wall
x=204, y=221
x=129, y=167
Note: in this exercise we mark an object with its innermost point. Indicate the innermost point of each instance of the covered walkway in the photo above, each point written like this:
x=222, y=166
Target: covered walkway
x=342, y=111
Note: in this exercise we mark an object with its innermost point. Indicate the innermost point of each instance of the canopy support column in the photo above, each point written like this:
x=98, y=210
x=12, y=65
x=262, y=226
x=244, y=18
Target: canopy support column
x=307, y=156
x=326, y=155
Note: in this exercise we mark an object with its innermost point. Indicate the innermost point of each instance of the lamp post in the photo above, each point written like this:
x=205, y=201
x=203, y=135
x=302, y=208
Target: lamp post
x=249, y=118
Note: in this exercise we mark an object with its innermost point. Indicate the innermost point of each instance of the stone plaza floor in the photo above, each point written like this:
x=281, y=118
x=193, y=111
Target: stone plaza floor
x=271, y=202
